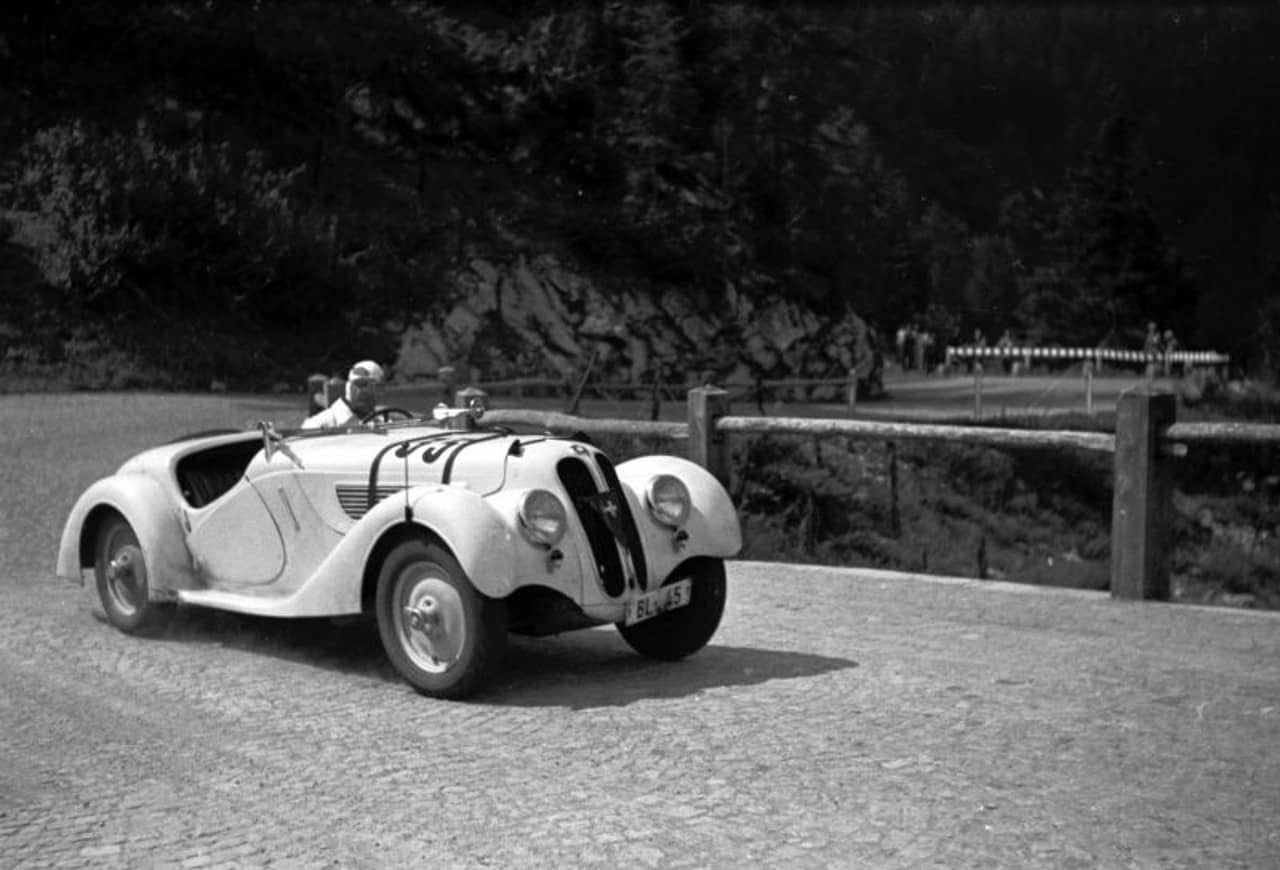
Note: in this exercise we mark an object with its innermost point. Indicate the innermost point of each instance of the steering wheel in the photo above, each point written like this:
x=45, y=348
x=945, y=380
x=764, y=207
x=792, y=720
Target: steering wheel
x=388, y=415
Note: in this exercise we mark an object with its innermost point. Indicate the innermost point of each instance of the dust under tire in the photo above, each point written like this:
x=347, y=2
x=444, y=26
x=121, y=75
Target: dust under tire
x=682, y=632
x=421, y=589
x=123, y=583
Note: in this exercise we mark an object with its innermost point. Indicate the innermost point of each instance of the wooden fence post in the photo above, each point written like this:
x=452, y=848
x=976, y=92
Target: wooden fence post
x=1088, y=387
x=576, y=399
x=1141, y=512
x=707, y=447
x=895, y=516
x=977, y=390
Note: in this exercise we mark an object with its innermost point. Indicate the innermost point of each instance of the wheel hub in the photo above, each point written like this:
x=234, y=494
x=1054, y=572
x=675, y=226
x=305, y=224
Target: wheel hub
x=121, y=567
x=424, y=618
x=432, y=626
x=126, y=576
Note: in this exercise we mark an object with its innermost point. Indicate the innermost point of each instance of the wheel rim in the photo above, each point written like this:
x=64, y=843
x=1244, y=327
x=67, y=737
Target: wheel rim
x=430, y=619
x=126, y=573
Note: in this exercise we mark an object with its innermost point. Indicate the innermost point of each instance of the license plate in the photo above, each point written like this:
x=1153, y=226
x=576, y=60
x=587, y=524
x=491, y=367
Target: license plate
x=659, y=601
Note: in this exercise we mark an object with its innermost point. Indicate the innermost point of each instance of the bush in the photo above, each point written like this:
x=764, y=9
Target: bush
x=163, y=245
x=983, y=473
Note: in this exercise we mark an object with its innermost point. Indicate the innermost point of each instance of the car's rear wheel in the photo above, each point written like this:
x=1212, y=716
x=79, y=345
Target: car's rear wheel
x=682, y=632
x=124, y=586
x=442, y=635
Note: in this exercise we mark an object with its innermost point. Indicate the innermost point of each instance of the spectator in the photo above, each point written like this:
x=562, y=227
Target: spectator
x=924, y=351
x=1170, y=348
x=1005, y=346
x=1151, y=348
x=359, y=399
x=979, y=343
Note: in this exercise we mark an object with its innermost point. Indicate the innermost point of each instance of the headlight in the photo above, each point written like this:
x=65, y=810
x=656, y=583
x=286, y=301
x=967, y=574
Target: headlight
x=542, y=517
x=668, y=500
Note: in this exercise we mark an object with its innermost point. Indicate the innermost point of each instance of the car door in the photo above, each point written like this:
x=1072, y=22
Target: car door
x=235, y=541
x=305, y=535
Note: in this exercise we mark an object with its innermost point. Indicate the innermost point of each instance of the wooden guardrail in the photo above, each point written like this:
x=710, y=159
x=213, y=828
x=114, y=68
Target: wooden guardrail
x=845, y=386
x=1146, y=441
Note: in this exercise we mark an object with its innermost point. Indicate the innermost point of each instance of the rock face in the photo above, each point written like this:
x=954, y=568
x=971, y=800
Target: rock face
x=535, y=317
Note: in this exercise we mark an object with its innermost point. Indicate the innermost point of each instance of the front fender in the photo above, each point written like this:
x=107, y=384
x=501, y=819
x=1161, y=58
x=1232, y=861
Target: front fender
x=476, y=533
x=463, y=521
x=713, y=528
x=149, y=509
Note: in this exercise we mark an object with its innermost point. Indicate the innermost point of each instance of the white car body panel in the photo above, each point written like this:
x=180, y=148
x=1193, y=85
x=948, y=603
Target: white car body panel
x=294, y=531
x=236, y=541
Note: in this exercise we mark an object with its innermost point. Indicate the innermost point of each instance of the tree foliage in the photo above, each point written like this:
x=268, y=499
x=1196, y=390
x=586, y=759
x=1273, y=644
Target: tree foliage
x=321, y=163
x=158, y=244
x=1108, y=267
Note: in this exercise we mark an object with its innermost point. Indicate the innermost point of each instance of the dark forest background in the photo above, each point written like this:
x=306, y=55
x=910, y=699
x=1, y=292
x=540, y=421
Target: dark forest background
x=250, y=190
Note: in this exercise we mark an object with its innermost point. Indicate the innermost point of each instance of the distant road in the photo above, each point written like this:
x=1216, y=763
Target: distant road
x=910, y=397
x=1026, y=395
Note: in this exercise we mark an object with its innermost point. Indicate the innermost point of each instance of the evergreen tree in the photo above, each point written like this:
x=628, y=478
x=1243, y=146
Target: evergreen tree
x=1108, y=268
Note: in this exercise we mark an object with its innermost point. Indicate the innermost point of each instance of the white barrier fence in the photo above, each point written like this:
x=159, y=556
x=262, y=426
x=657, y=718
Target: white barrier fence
x=1178, y=362
x=1092, y=354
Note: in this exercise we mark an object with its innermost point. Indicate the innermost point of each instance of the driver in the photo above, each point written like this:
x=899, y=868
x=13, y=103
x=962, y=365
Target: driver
x=364, y=385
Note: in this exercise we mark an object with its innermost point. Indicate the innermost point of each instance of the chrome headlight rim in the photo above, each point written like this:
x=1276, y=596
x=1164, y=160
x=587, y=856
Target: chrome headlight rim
x=542, y=517
x=668, y=500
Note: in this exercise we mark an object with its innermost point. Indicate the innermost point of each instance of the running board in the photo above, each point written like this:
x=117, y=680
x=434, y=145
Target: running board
x=254, y=605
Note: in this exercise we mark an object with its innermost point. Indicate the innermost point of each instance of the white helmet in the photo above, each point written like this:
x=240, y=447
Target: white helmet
x=367, y=370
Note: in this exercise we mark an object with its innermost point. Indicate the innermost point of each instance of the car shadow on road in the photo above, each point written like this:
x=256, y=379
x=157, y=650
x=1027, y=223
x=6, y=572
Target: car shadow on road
x=346, y=646
x=595, y=668
x=579, y=670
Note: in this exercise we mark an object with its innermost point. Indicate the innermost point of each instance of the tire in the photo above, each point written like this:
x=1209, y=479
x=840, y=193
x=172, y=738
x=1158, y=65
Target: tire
x=682, y=632
x=124, y=586
x=440, y=633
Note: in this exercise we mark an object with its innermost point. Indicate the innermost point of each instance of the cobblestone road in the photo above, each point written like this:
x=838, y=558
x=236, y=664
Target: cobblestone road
x=839, y=719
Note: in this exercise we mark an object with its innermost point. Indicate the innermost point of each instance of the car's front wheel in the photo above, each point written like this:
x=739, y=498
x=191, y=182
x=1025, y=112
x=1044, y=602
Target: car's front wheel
x=124, y=585
x=685, y=630
x=442, y=635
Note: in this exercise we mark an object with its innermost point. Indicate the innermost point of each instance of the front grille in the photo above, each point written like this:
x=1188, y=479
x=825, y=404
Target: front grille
x=631, y=535
x=354, y=498
x=601, y=513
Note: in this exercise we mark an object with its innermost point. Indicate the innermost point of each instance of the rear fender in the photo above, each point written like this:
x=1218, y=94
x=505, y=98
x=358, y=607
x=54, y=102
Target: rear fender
x=150, y=511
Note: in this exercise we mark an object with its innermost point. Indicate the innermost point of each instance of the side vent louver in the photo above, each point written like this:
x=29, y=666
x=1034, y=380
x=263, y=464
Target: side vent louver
x=354, y=498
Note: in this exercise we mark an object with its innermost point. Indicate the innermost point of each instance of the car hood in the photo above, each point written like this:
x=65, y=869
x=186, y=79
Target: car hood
x=399, y=456
x=393, y=457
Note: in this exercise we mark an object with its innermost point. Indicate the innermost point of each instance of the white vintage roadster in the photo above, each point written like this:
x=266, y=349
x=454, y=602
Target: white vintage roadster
x=450, y=534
